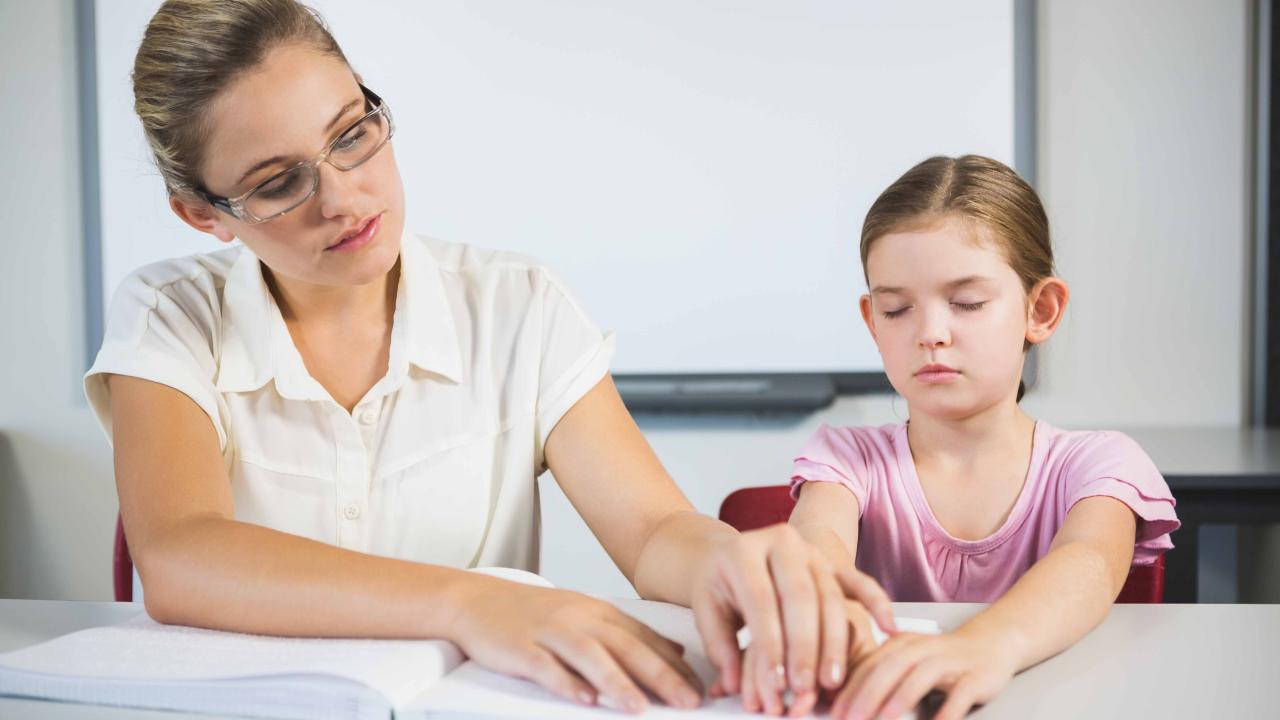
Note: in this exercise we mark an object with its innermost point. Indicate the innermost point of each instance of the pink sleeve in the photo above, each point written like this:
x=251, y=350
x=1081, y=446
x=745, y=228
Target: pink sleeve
x=1114, y=465
x=832, y=455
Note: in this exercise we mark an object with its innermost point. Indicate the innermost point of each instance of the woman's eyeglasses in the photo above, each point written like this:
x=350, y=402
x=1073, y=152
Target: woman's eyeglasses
x=289, y=188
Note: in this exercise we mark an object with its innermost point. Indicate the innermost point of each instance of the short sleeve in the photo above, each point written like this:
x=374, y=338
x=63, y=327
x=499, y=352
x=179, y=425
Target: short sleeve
x=575, y=355
x=164, y=335
x=1114, y=465
x=833, y=455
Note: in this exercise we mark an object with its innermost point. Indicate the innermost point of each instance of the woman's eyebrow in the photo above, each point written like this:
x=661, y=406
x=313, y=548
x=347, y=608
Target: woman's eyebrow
x=281, y=158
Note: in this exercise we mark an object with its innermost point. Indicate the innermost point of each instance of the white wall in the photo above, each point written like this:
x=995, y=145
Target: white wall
x=57, y=497
x=1143, y=165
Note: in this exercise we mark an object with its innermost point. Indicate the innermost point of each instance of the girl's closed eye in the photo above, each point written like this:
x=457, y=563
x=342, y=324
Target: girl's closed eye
x=970, y=307
x=895, y=313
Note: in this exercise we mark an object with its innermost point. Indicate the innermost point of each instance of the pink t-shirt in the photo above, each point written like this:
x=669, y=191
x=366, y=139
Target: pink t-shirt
x=902, y=545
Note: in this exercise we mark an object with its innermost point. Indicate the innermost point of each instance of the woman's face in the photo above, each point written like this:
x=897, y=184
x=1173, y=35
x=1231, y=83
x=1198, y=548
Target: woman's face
x=285, y=111
x=949, y=316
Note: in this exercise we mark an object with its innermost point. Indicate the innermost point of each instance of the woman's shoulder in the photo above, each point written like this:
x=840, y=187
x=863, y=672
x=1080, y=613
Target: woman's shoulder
x=194, y=280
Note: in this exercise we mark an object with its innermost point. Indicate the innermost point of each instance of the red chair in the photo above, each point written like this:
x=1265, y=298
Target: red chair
x=122, y=566
x=757, y=507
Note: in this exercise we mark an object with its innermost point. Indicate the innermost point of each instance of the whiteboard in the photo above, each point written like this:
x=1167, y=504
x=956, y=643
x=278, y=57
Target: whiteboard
x=697, y=172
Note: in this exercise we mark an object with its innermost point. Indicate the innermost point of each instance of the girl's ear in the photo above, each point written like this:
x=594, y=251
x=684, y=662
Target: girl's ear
x=868, y=316
x=203, y=217
x=1046, y=305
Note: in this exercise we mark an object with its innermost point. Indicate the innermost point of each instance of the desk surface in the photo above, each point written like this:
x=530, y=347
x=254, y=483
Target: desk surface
x=1159, y=661
x=1243, y=457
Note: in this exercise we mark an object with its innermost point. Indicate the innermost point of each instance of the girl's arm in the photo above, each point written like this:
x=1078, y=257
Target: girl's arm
x=788, y=594
x=201, y=567
x=1060, y=599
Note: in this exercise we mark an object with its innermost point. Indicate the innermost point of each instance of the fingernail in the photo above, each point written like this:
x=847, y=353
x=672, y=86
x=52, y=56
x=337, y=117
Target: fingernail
x=690, y=700
x=834, y=673
x=634, y=704
x=802, y=680
x=779, y=676
x=586, y=698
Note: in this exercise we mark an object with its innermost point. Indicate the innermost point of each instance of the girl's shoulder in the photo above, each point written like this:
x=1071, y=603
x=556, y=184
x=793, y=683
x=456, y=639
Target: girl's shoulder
x=854, y=446
x=1092, y=452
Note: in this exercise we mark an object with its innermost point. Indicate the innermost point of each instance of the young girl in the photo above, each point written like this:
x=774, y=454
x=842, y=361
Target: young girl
x=971, y=500
x=317, y=430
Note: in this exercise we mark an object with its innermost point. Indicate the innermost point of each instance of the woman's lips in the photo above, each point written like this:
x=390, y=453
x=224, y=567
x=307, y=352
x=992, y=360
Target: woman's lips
x=362, y=238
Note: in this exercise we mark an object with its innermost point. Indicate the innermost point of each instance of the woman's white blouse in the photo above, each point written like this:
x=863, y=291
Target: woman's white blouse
x=437, y=463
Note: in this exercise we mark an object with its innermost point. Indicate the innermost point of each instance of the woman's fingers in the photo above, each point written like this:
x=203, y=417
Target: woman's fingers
x=594, y=663
x=753, y=586
x=717, y=624
x=541, y=667
x=668, y=678
x=793, y=577
x=866, y=590
x=669, y=650
x=750, y=698
x=835, y=631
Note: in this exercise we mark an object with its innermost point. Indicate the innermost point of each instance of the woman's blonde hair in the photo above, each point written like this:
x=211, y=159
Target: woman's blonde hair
x=975, y=189
x=191, y=51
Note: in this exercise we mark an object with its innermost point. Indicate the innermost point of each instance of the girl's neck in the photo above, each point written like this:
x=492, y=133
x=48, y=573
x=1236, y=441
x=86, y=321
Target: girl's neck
x=999, y=431
x=336, y=307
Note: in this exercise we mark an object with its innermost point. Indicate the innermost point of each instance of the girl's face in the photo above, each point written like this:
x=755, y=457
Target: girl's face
x=950, y=316
x=285, y=111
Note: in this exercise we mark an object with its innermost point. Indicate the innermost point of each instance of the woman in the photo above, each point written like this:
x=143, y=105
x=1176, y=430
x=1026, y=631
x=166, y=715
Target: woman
x=315, y=432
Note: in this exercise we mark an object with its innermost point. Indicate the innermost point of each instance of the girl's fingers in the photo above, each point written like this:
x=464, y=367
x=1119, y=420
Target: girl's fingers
x=769, y=686
x=835, y=632
x=960, y=698
x=922, y=678
x=875, y=679
x=840, y=706
x=802, y=704
x=866, y=590
x=798, y=600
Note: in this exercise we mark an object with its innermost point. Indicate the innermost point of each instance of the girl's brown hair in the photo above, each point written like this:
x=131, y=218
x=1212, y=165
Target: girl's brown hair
x=191, y=51
x=976, y=189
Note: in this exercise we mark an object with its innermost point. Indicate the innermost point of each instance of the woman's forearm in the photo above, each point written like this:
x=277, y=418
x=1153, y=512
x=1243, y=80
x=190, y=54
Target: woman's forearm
x=219, y=573
x=672, y=553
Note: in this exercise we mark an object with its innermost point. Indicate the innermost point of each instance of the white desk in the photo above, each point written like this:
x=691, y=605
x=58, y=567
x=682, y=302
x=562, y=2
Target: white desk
x=1156, y=661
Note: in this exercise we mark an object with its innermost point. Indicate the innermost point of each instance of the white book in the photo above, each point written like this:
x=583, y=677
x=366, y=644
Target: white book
x=143, y=664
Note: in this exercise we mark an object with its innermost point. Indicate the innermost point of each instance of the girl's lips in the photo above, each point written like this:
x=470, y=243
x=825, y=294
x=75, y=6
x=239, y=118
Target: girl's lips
x=934, y=374
x=362, y=238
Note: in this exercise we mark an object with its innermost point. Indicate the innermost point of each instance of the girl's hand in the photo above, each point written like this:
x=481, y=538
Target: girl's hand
x=794, y=603
x=861, y=644
x=582, y=649
x=893, y=679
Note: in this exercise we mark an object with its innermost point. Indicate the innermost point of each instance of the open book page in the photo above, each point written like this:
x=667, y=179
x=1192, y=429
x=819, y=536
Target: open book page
x=472, y=692
x=142, y=653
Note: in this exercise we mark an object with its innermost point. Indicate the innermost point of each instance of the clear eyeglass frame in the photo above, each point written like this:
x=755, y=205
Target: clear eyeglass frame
x=237, y=207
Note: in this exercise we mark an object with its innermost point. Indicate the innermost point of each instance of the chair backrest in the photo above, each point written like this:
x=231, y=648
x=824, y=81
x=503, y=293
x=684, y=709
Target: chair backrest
x=122, y=565
x=757, y=507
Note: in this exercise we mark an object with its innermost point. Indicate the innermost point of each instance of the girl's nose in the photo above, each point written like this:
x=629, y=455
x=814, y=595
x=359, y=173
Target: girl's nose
x=934, y=332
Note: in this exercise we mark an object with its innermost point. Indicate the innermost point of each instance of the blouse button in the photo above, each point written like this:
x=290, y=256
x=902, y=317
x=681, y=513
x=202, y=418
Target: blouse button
x=367, y=416
x=352, y=512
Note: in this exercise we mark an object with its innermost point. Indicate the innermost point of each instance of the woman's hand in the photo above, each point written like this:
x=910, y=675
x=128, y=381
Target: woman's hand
x=861, y=643
x=893, y=679
x=794, y=603
x=584, y=650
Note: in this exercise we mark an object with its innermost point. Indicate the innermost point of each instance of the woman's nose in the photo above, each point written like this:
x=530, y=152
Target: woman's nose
x=337, y=192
